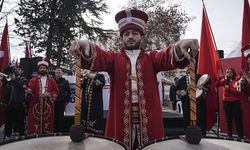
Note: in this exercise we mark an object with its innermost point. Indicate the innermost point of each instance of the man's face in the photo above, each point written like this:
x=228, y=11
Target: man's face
x=132, y=39
x=58, y=73
x=18, y=71
x=42, y=70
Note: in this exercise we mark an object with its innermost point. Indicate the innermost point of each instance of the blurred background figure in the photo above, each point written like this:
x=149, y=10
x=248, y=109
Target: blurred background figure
x=172, y=93
x=14, y=98
x=34, y=74
x=62, y=100
x=92, y=102
x=231, y=101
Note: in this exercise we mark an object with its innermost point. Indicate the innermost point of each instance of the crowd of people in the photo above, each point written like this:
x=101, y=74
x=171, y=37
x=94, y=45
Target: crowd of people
x=37, y=105
x=135, y=113
x=234, y=87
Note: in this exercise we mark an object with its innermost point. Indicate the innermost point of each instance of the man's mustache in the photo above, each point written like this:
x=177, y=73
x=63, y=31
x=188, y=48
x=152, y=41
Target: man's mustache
x=131, y=41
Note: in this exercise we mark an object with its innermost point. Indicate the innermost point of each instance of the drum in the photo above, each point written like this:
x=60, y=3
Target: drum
x=64, y=143
x=199, y=93
x=203, y=80
x=205, y=144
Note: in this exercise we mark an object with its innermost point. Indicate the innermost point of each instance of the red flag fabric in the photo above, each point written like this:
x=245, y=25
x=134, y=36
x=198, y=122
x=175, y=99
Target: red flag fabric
x=207, y=64
x=245, y=39
x=4, y=49
x=28, y=50
x=245, y=43
x=4, y=60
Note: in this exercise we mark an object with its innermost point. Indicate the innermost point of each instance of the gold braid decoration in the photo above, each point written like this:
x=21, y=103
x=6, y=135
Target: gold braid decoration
x=192, y=93
x=78, y=92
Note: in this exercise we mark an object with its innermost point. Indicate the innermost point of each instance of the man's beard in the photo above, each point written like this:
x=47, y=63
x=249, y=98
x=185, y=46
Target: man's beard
x=43, y=73
x=133, y=47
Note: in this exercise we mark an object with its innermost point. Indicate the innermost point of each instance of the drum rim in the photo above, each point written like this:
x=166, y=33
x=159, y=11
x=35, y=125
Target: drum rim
x=28, y=137
x=180, y=137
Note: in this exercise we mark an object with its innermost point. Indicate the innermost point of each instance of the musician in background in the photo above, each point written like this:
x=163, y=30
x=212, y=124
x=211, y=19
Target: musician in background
x=231, y=101
x=41, y=110
x=172, y=93
x=92, y=102
x=182, y=90
x=14, y=98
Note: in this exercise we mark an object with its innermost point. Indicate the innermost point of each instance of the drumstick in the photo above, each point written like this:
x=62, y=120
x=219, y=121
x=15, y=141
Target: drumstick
x=78, y=92
x=77, y=132
x=192, y=93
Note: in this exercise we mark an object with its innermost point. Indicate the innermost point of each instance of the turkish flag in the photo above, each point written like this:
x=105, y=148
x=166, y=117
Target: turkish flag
x=245, y=39
x=28, y=50
x=4, y=49
x=245, y=43
x=4, y=60
x=207, y=64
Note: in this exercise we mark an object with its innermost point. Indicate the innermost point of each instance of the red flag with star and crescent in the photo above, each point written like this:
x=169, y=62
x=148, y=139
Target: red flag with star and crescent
x=4, y=60
x=245, y=39
x=207, y=64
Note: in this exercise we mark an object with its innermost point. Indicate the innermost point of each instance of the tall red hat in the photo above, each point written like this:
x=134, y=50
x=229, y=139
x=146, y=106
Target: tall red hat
x=43, y=62
x=131, y=19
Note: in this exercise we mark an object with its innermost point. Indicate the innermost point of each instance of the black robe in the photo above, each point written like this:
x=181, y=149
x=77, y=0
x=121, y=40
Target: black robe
x=92, y=105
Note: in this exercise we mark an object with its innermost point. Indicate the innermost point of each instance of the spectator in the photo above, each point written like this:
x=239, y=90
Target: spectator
x=61, y=101
x=231, y=102
x=15, y=101
x=172, y=93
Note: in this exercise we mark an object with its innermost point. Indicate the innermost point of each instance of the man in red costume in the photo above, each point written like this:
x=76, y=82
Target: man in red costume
x=41, y=110
x=135, y=115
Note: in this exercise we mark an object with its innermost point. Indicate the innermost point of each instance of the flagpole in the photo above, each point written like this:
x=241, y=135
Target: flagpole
x=209, y=24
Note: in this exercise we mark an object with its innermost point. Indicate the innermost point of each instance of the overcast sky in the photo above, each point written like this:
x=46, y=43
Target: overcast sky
x=225, y=17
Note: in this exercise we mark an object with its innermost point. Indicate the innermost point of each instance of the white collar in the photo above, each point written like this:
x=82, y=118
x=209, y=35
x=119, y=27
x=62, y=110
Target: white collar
x=133, y=52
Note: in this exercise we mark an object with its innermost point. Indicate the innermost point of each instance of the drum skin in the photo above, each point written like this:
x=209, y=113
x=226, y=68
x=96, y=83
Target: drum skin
x=205, y=144
x=63, y=143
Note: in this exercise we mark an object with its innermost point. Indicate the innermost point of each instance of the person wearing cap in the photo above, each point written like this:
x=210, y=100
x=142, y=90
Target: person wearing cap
x=135, y=114
x=43, y=90
x=14, y=98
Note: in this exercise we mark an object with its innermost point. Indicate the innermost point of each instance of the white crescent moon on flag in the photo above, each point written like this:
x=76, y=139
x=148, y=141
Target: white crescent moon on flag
x=1, y=54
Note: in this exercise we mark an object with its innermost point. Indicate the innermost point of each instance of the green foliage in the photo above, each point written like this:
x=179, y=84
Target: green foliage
x=52, y=24
x=166, y=22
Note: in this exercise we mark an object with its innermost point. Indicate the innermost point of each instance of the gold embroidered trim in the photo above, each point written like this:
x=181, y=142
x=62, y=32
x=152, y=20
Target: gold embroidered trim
x=142, y=106
x=126, y=119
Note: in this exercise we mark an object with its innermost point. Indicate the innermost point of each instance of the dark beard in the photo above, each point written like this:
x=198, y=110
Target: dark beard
x=136, y=46
x=42, y=73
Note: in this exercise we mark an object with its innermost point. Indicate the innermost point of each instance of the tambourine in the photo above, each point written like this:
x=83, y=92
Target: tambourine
x=199, y=93
x=203, y=80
